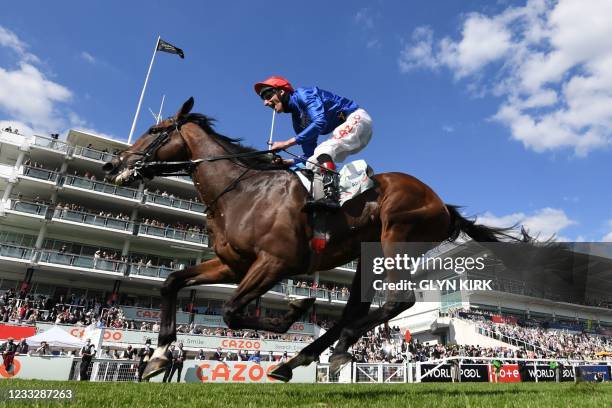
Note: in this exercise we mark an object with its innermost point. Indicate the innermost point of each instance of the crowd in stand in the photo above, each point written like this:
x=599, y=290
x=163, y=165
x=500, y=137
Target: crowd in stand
x=24, y=308
x=196, y=229
x=61, y=207
x=170, y=196
x=10, y=129
x=330, y=286
x=532, y=335
x=34, y=164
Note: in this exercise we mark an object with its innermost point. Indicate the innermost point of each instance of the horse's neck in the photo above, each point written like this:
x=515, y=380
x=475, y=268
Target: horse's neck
x=212, y=178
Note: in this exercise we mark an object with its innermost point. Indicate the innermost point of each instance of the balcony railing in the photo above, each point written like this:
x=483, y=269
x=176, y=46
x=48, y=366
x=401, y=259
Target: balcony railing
x=49, y=143
x=38, y=173
x=174, y=202
x=93, y=219
x=150, y=271
x=29, y=207
x=171, y=233
x=93, y=154
x=15, y=251
x=101, y=187
x=81, y=261
x=323, y=294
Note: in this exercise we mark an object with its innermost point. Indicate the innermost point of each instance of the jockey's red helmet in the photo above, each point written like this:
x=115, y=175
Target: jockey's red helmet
x=274, y=82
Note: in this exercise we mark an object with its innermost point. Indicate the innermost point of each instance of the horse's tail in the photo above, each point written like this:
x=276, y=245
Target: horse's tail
x=482, y=233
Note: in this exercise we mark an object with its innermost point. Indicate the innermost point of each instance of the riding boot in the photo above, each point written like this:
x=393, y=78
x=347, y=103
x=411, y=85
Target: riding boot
x=329, y=202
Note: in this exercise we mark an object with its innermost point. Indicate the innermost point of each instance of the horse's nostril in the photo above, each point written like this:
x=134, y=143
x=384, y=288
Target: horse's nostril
x=107, y=167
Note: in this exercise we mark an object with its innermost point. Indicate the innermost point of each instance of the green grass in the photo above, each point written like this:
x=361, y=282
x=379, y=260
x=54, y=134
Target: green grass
x=133, y=395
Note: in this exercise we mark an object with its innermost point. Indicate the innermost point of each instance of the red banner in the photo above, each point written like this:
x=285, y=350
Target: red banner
x=16, y=332
x=504, y=319
x=507, y=373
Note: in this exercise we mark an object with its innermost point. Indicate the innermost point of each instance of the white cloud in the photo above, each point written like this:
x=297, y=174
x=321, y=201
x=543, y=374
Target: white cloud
x=10, y=40
x=607, y=237
x=32, y=102
x=87, y=57
x=28, y=96
x=364, y=18
x=420, y=53
x=543, y=223
x=551, y=62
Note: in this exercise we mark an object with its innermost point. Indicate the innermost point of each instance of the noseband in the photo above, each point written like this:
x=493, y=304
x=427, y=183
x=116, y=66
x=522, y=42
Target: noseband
x=159, y=168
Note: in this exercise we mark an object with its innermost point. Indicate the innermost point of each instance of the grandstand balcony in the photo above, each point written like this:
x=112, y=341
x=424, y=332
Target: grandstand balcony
x=40, y=174
x=177, y=205
x=49, y=144
x=64, y=215
x=92, y=154
x=149, y=271
x=101, y=188
x=16, y=253
x=173, y=235
x=26, y=208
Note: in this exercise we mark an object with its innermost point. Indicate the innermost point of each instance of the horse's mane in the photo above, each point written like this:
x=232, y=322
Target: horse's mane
x=233, y=146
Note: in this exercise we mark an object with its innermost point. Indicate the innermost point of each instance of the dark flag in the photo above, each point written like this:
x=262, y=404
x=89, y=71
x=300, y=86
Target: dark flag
x=167, y=47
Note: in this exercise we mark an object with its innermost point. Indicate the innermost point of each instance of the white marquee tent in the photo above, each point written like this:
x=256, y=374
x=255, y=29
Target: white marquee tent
x=55, y=337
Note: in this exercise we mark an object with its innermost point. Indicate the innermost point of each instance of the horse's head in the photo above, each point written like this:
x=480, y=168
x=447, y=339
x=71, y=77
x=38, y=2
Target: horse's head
x=162, y=142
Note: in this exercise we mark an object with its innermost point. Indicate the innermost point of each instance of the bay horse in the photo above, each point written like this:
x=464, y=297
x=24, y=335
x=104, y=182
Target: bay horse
x=260, y=233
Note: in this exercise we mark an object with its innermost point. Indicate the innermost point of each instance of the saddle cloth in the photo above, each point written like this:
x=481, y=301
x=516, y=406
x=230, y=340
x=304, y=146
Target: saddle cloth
x=355, y=178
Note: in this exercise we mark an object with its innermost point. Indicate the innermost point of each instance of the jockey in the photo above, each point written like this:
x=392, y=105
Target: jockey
x=316, y=112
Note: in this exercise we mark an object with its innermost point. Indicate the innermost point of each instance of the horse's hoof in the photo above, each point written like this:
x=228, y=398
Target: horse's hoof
x=282, y=373
x=302, y=304
x=337, y=361
x=154, y=367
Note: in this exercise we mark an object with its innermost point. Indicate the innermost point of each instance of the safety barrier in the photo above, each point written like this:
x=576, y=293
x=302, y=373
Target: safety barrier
x=453, y=369
x=470, y=369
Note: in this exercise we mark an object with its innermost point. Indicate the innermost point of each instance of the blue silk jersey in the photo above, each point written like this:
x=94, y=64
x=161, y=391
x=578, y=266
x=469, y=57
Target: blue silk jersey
x=316, y=112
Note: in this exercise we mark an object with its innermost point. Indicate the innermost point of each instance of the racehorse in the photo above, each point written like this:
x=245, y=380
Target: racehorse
x=260, y=233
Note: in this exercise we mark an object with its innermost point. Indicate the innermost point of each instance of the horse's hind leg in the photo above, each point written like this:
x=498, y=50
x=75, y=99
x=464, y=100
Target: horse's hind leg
x=263, y=274
x=209, y=272
x=354, y=307
x=396, y=302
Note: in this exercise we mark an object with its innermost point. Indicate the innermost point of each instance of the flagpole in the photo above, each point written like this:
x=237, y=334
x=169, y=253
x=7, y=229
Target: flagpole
x=143, y=92
x=160, y=110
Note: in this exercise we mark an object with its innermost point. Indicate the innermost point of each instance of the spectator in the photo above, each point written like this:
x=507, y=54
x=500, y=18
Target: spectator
x=178, y=357
x=87, y=353
x=8, y=354
x=43, y=350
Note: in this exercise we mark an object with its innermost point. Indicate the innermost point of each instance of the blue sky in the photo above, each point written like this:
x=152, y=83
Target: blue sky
x=498, y=107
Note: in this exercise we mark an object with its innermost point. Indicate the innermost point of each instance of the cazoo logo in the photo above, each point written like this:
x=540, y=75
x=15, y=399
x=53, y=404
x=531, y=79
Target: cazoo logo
x=237, y=372
x=109, y=335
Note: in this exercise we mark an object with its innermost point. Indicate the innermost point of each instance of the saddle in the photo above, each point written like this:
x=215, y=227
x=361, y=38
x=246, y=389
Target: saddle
x=354, y=179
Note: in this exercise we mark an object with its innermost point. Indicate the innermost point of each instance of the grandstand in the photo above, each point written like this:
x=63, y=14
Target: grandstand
x=76, y=249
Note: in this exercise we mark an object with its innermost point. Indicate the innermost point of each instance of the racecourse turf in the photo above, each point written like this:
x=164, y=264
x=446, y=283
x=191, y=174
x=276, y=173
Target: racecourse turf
x=439, y=395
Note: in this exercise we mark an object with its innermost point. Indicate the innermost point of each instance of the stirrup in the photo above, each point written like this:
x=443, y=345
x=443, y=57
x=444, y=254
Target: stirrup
x=323, y=204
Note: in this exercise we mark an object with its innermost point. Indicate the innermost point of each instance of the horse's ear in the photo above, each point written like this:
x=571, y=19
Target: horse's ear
x=186, y=108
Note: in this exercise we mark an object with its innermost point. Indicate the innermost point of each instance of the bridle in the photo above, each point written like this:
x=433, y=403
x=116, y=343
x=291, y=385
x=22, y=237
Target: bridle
x=146, y=163
x=165, y=168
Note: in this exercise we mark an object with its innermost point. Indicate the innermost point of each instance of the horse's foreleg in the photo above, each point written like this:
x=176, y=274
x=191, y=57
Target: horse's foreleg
x=209, y=272
x=263, y=274
x=354, y=307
